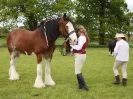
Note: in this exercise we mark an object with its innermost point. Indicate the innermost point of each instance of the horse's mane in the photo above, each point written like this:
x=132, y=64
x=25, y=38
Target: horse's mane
x=50, y=27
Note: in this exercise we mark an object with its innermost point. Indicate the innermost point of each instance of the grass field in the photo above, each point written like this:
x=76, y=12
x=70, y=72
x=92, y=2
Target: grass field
x=97, y=72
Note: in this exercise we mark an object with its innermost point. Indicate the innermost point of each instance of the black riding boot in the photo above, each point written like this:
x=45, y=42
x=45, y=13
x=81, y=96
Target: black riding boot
x=124, y=81
x=117, y=80
x=81, y=82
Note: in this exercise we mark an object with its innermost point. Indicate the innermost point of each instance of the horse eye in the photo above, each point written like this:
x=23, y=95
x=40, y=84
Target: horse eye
x=66, y=27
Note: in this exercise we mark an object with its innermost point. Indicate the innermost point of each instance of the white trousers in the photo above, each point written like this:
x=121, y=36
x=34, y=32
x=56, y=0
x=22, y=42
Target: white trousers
x=79, y=62
x=123, y=65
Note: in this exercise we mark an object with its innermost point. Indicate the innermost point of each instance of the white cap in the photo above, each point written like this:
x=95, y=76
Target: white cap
x=119, y=35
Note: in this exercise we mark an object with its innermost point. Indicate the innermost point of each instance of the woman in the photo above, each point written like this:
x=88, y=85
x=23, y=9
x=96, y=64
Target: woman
x=121, y=53
x=79, y=51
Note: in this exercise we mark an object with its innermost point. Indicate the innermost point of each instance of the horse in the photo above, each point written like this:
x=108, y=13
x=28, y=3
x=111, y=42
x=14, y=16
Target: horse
x=111, y=45
x=41, y=42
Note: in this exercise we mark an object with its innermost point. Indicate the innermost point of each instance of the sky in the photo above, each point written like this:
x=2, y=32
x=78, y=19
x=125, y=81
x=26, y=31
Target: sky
x=130, y=5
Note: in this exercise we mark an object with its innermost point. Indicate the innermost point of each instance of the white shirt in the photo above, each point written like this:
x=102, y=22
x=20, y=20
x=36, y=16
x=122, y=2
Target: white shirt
x=81, y=41
x=121, y=50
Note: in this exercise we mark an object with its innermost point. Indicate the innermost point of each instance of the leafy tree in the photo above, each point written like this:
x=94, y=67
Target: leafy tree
x=102, y=16
x=129, y=27
x=32, y=10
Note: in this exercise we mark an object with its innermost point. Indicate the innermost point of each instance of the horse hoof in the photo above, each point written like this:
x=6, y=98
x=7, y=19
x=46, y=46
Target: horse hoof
x=50, y=83
x=16, y=77
x=39, y=86
x=11, y=78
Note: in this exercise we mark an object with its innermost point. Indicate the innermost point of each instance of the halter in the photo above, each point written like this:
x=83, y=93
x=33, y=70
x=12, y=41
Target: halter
x=71, y=33
x=67, y=37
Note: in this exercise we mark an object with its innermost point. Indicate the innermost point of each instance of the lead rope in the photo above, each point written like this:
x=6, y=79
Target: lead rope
x=66, y=39
x=46, y=34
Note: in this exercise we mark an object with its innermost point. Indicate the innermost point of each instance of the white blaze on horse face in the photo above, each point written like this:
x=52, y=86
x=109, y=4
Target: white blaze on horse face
x=72, y=36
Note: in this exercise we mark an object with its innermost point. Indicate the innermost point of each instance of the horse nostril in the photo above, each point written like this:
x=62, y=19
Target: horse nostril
x=75, y=40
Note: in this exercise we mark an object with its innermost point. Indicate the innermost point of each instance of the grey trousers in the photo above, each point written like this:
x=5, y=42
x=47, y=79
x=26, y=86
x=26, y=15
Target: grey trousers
x=123, y=65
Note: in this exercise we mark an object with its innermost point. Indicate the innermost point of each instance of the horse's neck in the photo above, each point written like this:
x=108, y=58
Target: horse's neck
x=51, y=31
x=48, y=30
x=48, y=37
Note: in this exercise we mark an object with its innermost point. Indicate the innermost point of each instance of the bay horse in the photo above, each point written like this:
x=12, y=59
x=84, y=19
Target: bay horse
x=41, y=42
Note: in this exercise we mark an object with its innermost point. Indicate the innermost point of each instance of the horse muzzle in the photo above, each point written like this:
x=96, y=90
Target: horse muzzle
x=73, y=38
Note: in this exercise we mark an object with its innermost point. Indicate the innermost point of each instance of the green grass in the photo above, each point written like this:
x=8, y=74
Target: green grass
x=2, y=42
x=97, y=72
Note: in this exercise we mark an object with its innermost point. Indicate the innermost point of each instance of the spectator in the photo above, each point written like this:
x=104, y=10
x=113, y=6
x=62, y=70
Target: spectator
x=121, y=53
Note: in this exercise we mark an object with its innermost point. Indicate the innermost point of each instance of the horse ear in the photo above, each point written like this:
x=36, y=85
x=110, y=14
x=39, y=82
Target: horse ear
x=65, y=16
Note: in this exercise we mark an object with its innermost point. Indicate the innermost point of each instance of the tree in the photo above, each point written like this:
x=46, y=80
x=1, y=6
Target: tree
x=102, y=16
x=33, y=10
x=129, y=27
